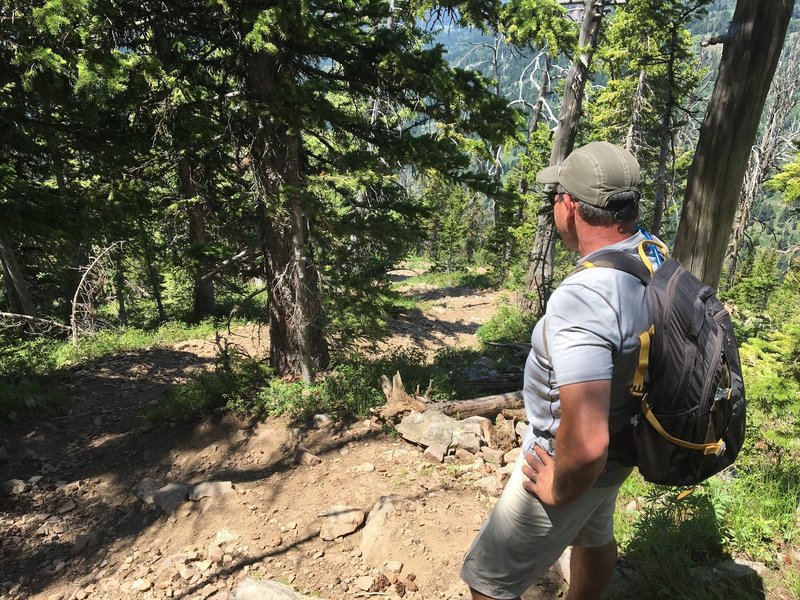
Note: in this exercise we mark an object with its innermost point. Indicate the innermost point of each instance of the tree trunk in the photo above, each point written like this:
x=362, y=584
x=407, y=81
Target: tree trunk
x=540, y=272
x=775, y=137
x=119, y=288
x=152, y=275
x=204, y=302
x=18, y=292
x=638, y=102
x=749, y=58
x=665, y=141
x=297, y=344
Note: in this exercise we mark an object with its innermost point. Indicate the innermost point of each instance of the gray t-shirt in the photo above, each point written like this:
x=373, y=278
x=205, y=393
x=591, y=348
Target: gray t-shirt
x=590, y=331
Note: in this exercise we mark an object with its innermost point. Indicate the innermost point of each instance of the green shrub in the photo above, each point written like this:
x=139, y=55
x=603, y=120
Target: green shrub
x=348, y=390
x=21, y=396
x=231, y=385
x=508, y=325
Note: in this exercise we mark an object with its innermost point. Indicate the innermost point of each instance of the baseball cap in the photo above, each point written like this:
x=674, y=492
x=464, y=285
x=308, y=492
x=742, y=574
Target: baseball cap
x=594, y=172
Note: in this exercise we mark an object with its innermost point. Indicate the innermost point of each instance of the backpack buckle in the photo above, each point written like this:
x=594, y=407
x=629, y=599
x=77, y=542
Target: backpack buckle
x=637, y=391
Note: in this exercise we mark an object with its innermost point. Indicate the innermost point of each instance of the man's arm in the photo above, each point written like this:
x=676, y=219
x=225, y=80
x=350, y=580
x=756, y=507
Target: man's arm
x=581, y=445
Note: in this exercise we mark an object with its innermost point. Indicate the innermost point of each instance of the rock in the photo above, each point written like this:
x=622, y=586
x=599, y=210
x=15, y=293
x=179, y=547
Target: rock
x=435, y=454
x=141, y=585
x=376, y=535
x=13, y=487
x=250, y=589
x=521, y=429
x=214, y=553
x=491, y=484
x=466, y=440
x=427, y=429
x=322, y=421
x=304, y=457
x=395, y=566
x=364, y=583
x=492, y=456
x=171, y=495
x=203, y=565
x=433, y=428
x=364, y=468
x=511, y=456
x=224, y=536
x=83, y=541
x=66, y=506
x=146, y=489
x=209, y=489
x=562, y=564
x=340, y=521
x=465, y=455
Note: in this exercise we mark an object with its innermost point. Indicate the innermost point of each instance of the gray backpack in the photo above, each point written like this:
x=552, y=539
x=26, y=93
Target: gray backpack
x=691, y=418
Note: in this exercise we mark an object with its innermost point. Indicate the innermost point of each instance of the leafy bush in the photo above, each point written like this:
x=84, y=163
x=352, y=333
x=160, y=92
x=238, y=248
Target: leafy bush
x=508, y=325
x=348, y=390
x=232, y=384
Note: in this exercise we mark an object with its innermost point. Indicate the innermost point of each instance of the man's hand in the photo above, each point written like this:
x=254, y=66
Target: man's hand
x=539, y=472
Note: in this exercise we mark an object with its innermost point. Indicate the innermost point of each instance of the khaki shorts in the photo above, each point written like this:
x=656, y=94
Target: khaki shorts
x=522, y=538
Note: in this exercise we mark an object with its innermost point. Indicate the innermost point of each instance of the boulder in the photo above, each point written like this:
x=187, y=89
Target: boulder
x=250, y=589
x=340, y=521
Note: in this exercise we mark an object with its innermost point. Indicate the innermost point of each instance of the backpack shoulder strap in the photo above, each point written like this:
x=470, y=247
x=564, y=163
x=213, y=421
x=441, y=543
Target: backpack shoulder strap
x=641, y=268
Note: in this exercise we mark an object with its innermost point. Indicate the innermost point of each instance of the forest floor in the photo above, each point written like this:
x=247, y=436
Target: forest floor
x=73, y=527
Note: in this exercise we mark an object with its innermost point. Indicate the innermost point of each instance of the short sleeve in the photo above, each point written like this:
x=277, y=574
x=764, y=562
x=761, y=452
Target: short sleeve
x=582, y=334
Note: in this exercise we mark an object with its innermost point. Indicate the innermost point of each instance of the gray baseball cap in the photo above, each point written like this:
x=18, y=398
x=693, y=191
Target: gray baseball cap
x=594, y=172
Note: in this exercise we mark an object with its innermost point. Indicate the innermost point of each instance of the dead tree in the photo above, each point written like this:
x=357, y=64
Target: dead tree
x=540, y=270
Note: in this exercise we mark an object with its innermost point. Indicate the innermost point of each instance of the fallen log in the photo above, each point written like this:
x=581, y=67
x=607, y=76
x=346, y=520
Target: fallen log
x=398, y=402
x=485, y=406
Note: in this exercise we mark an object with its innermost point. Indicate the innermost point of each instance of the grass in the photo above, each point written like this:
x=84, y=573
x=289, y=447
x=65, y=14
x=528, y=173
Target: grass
x=349, y=389
x=748, y=512
x=30, y=367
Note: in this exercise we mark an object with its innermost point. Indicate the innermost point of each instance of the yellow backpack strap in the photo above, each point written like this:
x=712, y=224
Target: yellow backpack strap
x=637, y=388
x=717, y=448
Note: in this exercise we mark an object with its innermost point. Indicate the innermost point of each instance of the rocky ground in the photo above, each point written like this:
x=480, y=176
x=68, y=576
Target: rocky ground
x=93, y=500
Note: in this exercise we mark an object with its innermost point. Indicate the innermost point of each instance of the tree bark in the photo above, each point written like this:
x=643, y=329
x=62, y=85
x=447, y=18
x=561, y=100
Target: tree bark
x=486, y=406
x=119, y=288
x=152, y=274
x=638, y=103
x=17, y=287
x=204, y=302
x=540, y=271
x=749, y=58
x=297, y=343
x=775, y=137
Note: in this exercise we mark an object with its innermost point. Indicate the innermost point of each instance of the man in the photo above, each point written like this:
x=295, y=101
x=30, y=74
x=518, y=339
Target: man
x=584, y=353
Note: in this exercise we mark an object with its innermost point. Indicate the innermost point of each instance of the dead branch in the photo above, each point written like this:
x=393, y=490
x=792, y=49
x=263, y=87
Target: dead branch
x=46, y=322
x=227, y=262
x=84, y=290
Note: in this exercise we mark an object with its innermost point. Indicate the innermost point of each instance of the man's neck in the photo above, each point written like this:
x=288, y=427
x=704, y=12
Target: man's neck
x=594, y=238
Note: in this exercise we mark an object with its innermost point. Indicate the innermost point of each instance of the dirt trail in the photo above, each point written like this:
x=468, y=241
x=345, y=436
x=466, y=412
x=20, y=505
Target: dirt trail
x=72, y=526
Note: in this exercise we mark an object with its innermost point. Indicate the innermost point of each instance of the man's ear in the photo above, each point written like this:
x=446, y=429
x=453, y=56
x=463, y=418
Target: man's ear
x=570, y=206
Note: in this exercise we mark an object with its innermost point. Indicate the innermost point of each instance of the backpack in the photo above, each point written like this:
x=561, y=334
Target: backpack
x=691, y=418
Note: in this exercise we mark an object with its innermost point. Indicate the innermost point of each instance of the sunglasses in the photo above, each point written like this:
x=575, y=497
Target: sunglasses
x=553, y=197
